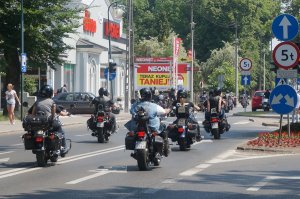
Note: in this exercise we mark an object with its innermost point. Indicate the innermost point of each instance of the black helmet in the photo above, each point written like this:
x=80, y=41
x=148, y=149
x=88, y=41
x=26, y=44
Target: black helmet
x=103, y=91
x=181, y=94
x=146, y=94
x=46, y=91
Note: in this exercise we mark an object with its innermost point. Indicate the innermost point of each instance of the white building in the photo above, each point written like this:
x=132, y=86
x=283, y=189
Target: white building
x=85, y=64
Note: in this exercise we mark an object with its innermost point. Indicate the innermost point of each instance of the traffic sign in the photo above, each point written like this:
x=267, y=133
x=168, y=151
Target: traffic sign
x=245, y=64
x=287, y=73
x=283, y=99
x=23, y=64
x=286, y=55
x=112, y=76
x=280, y=81
x=246, y=79
x=285, y=27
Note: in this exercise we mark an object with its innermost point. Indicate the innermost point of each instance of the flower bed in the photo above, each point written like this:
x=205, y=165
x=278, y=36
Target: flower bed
x=271, y=139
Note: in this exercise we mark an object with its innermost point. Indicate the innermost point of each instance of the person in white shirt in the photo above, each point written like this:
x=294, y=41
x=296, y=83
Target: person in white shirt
x=11, y=97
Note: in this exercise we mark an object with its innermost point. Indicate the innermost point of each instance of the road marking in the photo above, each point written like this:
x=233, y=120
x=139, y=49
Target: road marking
x=17, y=144
x=171, y=180
x=82, y=135
x=99, y=172
x=246, y=122
x=13, y=172
x=4, y=160
x=201, y=167
x=253, y=157
x=267, y=179
x=6, y=152
x=259, y=185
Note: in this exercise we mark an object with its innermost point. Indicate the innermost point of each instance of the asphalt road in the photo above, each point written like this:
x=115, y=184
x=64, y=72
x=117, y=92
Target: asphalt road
x=211, y=169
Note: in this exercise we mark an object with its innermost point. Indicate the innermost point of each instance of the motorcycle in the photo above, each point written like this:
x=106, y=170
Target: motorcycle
x=172, y=113
x=43, y=138
x=265, y=104
x=215, y=125
x=100, y=124
x=148, y=146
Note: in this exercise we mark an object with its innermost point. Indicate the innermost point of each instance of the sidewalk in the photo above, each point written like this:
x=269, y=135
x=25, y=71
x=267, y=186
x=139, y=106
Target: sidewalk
x=6, y=127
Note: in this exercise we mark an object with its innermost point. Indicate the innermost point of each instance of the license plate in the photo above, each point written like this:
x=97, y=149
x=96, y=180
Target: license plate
x=181, y=109
x=140, y=145
x=213, y=110
x=100, y=124
x=181, y=122
x=214, y=125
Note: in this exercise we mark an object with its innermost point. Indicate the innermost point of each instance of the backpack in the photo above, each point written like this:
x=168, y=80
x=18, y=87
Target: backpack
x=59, y=90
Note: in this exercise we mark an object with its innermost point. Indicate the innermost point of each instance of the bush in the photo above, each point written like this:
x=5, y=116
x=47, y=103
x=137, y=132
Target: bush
x=29, y=85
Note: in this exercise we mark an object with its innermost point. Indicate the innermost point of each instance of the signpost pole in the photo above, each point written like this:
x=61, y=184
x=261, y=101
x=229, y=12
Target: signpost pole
x=289, y=127
x=280, y=128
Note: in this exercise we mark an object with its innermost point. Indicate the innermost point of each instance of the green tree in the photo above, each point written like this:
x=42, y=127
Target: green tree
x=46, y=23
x=29, y=84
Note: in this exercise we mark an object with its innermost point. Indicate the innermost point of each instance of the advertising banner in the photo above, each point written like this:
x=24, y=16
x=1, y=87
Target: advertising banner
x=158, y=75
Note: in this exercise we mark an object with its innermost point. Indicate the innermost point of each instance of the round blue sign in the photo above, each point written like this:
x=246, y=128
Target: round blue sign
x=285, y=27
x=283, y=99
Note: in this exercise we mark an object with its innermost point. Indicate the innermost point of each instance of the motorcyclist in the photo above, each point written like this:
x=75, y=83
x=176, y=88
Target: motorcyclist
x=46, y=105
x=154, y=111
x=182, y=101
x=106, y=103
x=215, y=101
x=172, y=96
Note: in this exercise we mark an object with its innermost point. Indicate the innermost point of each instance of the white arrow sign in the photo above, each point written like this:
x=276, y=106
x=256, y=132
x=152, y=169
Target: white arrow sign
x=289, y=100
x=276, y=99
x=245, y=80
x=285, y=23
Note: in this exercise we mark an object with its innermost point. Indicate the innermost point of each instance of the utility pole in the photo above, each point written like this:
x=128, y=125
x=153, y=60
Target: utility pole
x=236, y=61
x=192, y=46
x=22, y=49
x=131, y=50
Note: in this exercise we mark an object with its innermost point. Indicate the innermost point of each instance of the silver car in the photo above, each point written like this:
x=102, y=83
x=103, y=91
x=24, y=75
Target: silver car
x=75, y=102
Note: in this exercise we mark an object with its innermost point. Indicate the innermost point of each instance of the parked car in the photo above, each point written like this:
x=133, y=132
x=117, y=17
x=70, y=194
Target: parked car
x=257, y=100
x=75, y=102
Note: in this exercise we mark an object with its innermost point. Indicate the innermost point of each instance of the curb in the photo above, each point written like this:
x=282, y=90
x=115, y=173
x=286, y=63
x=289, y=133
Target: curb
x=268, y=124
x=263, y=150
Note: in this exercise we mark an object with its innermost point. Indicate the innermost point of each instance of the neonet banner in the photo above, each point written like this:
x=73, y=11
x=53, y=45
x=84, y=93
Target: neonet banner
x=158, y=75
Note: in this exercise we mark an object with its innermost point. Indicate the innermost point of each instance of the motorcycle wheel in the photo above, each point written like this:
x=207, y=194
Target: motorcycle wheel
x=182, y=144
x=142, y=160
x=166, y=147
x=106, y=135
x=100, y=135
x=41, y=158
x=216, y=133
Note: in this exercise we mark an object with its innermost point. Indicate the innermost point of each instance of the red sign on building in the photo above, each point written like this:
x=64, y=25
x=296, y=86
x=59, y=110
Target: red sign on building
x=114, y=30
x=89, y=25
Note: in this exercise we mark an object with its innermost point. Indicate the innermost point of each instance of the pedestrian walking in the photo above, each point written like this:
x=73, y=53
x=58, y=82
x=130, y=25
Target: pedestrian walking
x=11, y=98
x=63, y=89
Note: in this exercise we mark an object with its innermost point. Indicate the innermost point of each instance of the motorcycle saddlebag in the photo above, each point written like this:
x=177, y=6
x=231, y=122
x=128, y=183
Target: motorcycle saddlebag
x=91, y=124
x=158, y=143
x=53, y=142
x=28, y=139
x=129, y=142
x=35, y=123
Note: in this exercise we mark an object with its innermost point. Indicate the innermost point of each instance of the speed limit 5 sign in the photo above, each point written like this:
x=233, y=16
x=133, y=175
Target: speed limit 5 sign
x=245, y=64
x=286, y=55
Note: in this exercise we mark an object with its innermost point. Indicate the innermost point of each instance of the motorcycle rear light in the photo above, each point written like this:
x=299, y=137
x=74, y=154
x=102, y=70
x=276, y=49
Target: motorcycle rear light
x=214, y=119
x=100, y=119
x=180, y=130
x=39, y=139
x=141, y=134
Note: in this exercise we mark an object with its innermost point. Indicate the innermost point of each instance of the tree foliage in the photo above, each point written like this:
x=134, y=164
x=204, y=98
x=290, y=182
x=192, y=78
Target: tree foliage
x=46, y=23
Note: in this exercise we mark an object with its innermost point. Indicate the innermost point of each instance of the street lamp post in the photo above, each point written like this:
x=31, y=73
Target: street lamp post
x=22, y=49
x=192, y=46
x=236, y=62
x=119, y=12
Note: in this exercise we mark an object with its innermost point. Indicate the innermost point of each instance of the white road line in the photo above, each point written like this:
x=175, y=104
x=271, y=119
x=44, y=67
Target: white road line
x=259, y=185
x=13, y=172
x=4, y=160
x=253, y=157
x=88, y=177
x=82, y=135
x=6, y=152
x=246, y=122
x=201, y=167
x=171, y=181
x=17, y=144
